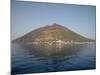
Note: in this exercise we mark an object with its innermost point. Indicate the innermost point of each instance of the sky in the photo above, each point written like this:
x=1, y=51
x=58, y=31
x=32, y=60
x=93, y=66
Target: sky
x=27, y=16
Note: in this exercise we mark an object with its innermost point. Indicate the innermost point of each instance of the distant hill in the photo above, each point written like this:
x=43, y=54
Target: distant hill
x=51, y=33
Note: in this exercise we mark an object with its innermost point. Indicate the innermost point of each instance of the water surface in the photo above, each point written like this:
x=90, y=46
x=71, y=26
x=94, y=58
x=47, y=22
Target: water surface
x=46, y=58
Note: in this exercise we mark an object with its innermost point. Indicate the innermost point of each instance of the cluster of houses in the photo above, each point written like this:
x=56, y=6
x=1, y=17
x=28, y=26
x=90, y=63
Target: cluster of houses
x=59, y=42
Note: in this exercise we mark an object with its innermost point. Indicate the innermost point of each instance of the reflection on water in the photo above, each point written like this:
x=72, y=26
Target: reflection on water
x=50, y=58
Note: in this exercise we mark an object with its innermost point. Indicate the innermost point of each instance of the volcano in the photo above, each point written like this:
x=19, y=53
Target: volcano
x=51, y=33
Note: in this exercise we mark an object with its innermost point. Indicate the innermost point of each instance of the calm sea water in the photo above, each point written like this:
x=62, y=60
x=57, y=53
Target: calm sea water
x=43, y=58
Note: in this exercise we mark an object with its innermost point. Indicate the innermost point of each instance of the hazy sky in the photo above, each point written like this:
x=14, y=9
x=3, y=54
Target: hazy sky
x=27, y=16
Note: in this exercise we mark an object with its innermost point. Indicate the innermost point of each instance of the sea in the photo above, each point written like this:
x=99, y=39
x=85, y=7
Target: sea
x=52, y=58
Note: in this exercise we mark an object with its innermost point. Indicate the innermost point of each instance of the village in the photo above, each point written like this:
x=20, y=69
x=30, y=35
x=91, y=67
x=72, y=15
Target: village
x=59, y=42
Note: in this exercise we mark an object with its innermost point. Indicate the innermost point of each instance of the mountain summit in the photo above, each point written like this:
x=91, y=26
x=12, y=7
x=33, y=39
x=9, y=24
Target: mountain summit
x=51, y=33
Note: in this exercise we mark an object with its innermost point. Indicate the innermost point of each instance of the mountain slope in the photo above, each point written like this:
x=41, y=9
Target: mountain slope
x=51, y=33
